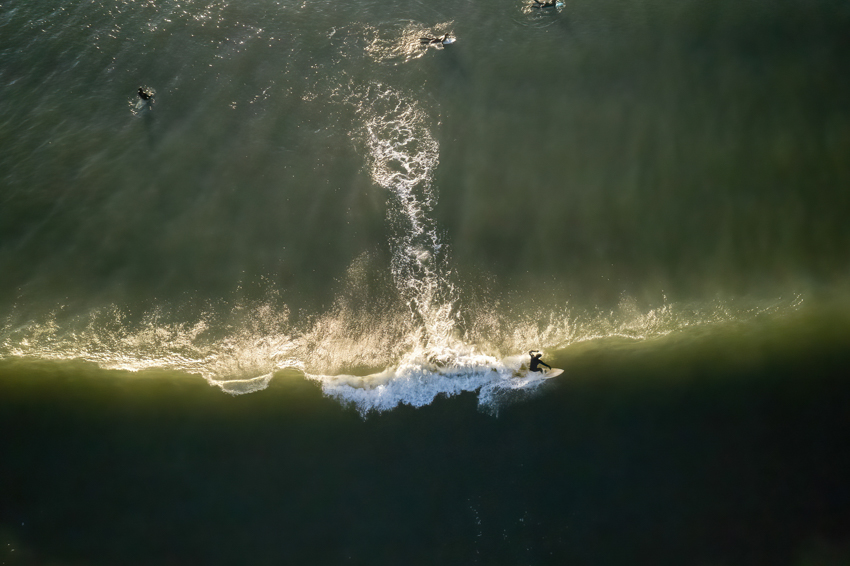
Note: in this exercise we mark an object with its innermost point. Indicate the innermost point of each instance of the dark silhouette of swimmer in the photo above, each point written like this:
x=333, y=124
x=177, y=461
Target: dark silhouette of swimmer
x=146, y=95
x=536, y=361
x=428, y=40
x=538, y=4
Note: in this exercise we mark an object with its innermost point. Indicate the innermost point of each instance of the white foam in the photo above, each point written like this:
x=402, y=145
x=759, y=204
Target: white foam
x=417, y=382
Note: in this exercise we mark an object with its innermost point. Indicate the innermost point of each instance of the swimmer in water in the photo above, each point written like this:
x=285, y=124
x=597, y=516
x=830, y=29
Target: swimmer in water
x=443, y=40
x=538, y=4
x=146, y=95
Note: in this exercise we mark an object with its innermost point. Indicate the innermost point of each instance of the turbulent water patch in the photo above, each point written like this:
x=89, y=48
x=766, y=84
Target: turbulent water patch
x=240, y=351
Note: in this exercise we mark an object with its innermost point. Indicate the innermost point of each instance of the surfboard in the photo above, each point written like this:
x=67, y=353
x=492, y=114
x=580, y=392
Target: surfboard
x=534, y=375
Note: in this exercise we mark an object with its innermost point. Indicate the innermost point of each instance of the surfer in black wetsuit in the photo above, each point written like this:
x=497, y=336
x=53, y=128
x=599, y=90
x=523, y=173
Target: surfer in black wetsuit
x=538, y=4
x=536, y=361
x=146, y=95
x=434, y=40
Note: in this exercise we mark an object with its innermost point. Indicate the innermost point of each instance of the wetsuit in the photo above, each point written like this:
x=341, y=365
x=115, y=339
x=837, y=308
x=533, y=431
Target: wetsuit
x=535, y=361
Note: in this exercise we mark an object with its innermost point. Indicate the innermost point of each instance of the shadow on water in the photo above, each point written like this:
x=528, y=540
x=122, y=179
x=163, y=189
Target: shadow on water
x=145, y=111
x=142, y=108
x=149, y=121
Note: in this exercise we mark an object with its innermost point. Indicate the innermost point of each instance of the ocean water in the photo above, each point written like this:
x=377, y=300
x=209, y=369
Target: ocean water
x=275, y=314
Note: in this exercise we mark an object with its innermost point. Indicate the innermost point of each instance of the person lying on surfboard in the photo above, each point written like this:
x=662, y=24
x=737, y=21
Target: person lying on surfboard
x=551, y=4
x=536, y=361
x=146, y=95
x=444, y=39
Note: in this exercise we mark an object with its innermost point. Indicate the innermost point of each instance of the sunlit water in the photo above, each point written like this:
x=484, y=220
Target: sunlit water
x=314, y=189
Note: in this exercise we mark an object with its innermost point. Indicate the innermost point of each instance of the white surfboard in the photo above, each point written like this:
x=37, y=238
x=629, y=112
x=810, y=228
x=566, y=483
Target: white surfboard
x=537, y=375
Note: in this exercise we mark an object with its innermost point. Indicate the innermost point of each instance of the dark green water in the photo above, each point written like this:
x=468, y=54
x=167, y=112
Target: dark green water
x=644, y=455
x=274, y=316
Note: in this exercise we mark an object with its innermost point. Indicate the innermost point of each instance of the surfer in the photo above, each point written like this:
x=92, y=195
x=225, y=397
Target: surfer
x=538, y=4
x=536, y=361
x=428, y=40
x=146, y=95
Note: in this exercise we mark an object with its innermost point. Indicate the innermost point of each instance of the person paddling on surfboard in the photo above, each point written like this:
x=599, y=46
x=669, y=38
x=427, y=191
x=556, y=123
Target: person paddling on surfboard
x=536, y=361
x=442, y=40
x=146, y=95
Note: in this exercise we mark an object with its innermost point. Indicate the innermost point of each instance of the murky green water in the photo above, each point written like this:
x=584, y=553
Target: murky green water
x=321, y=212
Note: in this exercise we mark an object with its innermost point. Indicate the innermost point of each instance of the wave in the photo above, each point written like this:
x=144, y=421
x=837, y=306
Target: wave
x=374, y=360
x=407, y=342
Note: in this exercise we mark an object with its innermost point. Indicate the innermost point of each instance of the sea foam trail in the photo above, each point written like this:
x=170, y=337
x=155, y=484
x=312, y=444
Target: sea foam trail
x=403, y=155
